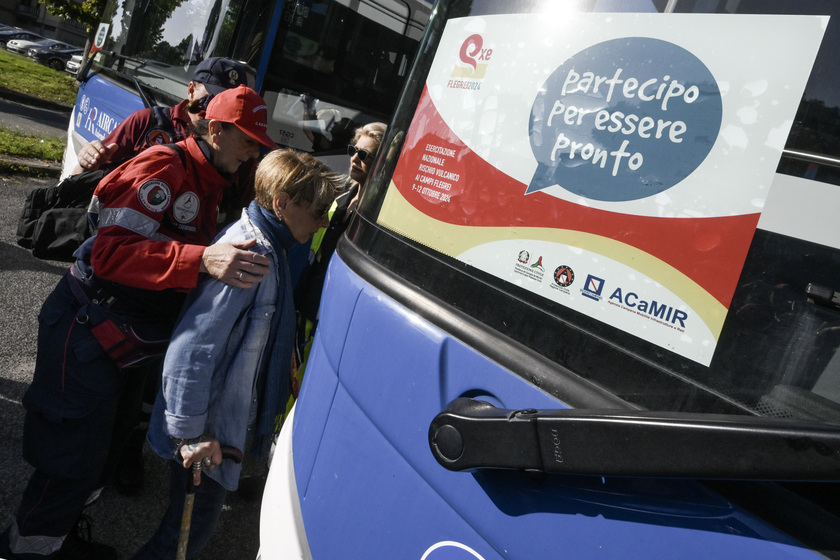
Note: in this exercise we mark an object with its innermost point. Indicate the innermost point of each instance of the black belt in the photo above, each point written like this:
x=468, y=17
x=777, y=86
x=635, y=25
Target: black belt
x=86, y=288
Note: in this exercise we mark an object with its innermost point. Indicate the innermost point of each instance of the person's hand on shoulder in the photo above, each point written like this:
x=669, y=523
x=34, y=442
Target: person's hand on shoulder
x=234, y=264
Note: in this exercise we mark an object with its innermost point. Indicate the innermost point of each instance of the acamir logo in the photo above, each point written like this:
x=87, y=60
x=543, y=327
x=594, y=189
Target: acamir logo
x=473, y=59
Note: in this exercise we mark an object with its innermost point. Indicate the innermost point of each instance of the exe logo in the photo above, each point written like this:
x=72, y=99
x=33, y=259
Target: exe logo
x=472, y=65
x=593, y=287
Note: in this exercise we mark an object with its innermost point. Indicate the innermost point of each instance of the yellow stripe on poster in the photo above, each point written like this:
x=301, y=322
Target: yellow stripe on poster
x=403, y=218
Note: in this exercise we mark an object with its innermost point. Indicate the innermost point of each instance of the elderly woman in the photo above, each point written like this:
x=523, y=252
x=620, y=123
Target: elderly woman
x=362, y=152
x=227, y=370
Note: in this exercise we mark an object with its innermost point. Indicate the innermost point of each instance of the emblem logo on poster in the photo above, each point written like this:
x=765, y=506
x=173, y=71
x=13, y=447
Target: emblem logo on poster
x=474, y=59
x=564, y=276
x=534, y=271
x=593, y=287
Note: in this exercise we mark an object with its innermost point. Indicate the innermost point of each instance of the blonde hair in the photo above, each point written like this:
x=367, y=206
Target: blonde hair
x=374, y=130
x=307, y=180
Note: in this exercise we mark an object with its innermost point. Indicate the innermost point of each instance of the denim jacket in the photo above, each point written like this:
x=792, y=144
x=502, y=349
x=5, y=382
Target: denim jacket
x=209, y=373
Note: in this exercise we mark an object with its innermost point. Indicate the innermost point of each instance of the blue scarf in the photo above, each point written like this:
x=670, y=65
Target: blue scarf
x=274, y=381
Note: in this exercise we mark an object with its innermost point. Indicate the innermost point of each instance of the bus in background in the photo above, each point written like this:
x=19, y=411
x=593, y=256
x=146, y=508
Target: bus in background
x=324, y=67
x=590, y=304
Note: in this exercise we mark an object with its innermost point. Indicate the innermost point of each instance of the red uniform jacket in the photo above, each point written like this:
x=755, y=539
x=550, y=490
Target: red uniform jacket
x=156, y=218
x=133, y=135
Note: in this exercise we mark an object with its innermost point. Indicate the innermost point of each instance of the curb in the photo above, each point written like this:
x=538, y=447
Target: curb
x=14, y=164
x=19, y=165
x=25, y=99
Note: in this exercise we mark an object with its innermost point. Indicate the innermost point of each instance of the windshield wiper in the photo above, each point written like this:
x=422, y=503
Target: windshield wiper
x=471, y=434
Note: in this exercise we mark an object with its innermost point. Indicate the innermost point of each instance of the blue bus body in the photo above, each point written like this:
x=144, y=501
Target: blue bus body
x=368, y=487
x=414, y=316
x=100, y=107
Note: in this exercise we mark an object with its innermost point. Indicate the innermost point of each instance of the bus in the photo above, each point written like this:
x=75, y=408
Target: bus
x=324, y=67
x=589, y=306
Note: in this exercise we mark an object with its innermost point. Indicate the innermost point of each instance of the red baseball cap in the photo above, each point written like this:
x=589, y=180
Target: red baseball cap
x=245, y=108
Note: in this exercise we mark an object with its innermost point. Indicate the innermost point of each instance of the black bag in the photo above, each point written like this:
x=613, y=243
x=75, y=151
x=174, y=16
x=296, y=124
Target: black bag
x=54, y=222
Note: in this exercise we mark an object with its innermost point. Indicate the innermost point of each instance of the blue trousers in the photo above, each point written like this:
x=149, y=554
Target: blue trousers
x=71, y=407
x=207, y=507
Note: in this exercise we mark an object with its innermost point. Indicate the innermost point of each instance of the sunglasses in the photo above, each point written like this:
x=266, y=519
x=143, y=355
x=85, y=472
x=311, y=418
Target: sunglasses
x=199, y=105
x=363, y=154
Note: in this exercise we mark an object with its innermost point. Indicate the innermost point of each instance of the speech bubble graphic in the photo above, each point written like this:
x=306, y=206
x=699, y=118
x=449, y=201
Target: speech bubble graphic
x=623, y=120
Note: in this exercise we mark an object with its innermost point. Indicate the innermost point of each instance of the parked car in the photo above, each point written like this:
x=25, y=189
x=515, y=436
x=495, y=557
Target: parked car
x=7, y=35
x=54, y=59
x=20, y=46
x=74, y=64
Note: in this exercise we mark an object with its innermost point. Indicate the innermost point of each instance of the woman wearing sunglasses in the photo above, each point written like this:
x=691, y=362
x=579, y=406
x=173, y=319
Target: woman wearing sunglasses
x=362, y=151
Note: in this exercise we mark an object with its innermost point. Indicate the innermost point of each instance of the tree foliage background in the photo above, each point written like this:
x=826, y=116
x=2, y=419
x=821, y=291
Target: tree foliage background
x=87, y=12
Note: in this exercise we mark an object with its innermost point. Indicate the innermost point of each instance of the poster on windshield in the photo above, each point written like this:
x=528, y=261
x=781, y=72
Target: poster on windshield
x=614, y=163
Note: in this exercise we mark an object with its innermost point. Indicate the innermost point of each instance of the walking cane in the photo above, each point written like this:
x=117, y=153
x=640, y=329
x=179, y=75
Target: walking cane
x=186, y=520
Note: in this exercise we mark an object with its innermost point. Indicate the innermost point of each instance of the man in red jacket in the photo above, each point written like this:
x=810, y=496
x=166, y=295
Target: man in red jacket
x=156, y=217
x=142, y=129
x=139, y=131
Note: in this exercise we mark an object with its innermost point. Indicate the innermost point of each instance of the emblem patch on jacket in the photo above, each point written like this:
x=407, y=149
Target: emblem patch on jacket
x=186, y=207
x=158, y=137
x=154, y=195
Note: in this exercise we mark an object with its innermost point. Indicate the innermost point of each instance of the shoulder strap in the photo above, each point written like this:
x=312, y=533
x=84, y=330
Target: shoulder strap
x=161, y=118
x=160, y=128
x=180, y=151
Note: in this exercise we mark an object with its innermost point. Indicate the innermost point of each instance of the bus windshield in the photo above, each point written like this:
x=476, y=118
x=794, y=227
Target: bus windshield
x=778, y=330
x=165, y=40
x=598, y=242
x=323, y=67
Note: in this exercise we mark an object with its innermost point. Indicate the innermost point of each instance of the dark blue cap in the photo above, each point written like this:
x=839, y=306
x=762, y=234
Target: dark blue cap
x=218, y=74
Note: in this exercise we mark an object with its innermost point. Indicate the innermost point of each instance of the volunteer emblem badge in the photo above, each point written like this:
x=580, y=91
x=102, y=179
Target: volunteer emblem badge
x=233, y=77
x=154, y=195
x=186, y=207
x=158, y=137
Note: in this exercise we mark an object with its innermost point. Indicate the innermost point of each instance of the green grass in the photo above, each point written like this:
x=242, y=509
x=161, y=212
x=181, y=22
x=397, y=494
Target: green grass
x=22, y=75
x=19, y=73
x=14, y=143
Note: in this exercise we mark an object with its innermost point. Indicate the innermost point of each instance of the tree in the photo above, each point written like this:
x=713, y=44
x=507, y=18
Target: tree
x=86, y=12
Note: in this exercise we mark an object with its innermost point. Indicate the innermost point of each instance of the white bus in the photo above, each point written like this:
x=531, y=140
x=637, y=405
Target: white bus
x=324, y=67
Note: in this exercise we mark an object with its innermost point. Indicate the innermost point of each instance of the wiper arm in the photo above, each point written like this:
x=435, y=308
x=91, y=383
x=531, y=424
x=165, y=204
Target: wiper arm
x=123, y=58
x=471, y=434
